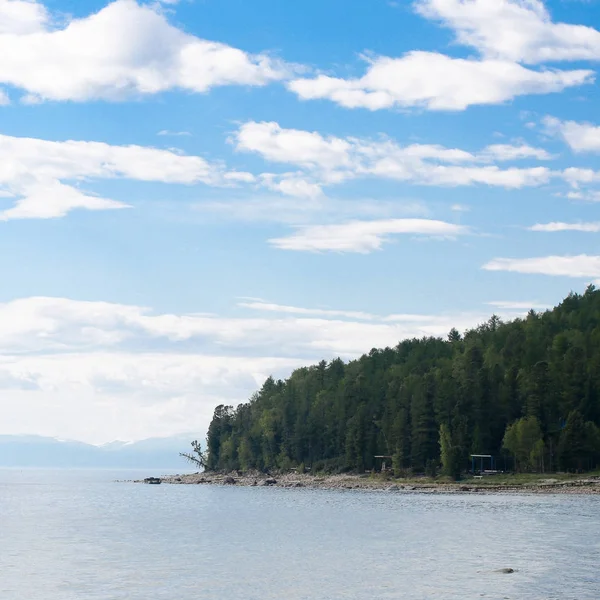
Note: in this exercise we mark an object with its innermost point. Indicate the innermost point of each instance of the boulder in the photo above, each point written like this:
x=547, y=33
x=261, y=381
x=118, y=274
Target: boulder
x=270, y=482
x=229, y=481
x=153, y=480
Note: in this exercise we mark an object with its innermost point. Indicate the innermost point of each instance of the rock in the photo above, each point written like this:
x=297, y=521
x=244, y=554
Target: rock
x=270, y=482
x=229, y=481
x=393, y=488
x=153, y=480
x=506, y=570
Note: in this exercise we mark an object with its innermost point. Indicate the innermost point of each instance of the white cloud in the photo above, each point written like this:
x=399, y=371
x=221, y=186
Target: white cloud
x=587, y=196
x=43, y=175
x=581, y=265
x=577, y=175
x=429, y=80
x=102, y=396
x=328, y=160
x=297, y=211
x=304, y=148
x=52, y=200
x=4, y=98
x=557, y=226
x=316, y=312
x=292, y=184
x=98, y=371
x=511, y=305
x=125, y=49
x=363, y=236
x=516, y=30
x=21, y=17
x=460, y=208
x=174, y=133
x=581, y=137
x=506, y=152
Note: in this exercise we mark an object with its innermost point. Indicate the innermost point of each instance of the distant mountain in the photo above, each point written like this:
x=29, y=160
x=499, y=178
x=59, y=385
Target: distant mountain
x=38, y=451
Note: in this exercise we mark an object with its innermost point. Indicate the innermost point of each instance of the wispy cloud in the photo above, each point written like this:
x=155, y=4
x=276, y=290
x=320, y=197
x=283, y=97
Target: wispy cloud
x=364, y=236
x=520, y=306
x=582, y=265
x=330, y=160
x=251, y=207
x=39, y=173
x=313, y=312
x=558, y=226
x=166, y=132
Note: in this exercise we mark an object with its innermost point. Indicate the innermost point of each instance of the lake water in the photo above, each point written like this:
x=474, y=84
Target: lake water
x=68, y=535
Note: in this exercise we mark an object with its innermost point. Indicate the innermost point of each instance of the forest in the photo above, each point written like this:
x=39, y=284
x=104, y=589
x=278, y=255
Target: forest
x=525, y=391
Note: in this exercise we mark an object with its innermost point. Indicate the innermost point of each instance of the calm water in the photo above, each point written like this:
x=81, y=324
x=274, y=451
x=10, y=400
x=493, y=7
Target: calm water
x=73, y=536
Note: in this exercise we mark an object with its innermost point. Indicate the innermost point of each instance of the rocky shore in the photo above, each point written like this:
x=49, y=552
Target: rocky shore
x=549, y=485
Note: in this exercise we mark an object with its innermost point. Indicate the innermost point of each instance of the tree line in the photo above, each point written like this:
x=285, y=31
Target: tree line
x=525, y=391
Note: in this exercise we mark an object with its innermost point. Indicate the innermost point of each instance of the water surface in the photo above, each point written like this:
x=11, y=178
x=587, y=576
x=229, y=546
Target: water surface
x=73, y=535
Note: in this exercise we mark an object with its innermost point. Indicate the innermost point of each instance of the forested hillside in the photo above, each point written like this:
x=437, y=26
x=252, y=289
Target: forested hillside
x=525, y=391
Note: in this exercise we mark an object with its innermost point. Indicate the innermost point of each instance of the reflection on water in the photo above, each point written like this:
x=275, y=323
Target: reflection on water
x=78, y=535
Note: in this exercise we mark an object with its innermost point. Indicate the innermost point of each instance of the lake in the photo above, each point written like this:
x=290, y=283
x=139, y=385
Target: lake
x=74, y=535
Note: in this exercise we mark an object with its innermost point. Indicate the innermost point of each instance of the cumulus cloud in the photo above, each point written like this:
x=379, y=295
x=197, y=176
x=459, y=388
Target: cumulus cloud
x=516, y=30
x=430, y=80
x=22, y=17
x=328, y=160
x=576, y=176
x=98, y=371
x=124, y=49
x=44, y=175
x=363, y=236
x=586, y=196
x=582, y=265
x=581, y=137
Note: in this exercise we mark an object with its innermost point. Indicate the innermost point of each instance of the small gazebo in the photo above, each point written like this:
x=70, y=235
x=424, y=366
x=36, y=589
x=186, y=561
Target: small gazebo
x=384, y=464
x=488, y=458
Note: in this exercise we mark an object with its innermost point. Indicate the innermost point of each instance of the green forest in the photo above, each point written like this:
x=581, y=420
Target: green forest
x=525, y=391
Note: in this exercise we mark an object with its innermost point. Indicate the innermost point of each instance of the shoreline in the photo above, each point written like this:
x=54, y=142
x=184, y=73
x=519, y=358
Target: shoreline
x=544, y=485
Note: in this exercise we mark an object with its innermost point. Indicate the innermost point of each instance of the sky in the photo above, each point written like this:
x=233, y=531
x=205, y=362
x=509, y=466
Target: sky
x=196, y=194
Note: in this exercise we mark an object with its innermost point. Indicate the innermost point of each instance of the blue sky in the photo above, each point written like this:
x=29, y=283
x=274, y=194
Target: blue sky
x=196, y=194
